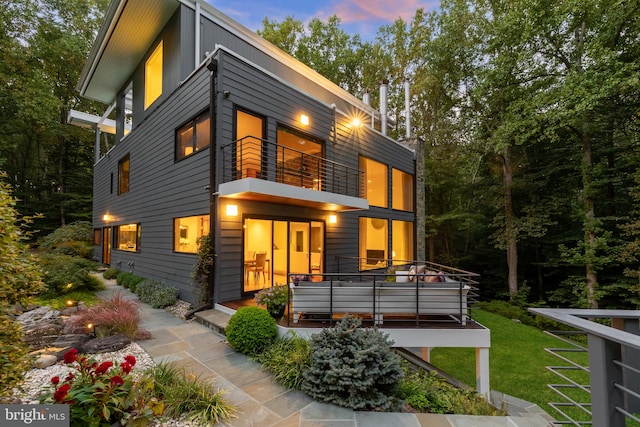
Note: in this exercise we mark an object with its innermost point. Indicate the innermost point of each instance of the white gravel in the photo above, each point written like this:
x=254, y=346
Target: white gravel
x=37, y=381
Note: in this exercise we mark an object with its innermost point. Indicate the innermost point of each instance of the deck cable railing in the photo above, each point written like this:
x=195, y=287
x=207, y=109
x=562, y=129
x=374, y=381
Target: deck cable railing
x=252, y=157
x=600, y=369
x=396, y=299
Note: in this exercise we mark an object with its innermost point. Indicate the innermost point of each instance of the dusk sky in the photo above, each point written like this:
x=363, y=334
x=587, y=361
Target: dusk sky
x=362, y=17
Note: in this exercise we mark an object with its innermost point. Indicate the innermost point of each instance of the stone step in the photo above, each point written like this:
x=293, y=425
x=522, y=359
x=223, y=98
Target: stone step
x=213, y=319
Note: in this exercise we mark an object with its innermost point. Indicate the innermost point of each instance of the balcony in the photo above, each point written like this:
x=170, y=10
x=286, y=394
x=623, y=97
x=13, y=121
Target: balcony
x=257, y=169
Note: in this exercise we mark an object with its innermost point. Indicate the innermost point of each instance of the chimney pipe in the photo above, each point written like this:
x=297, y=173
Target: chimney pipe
x=383, y=106
x=407, y=108
x=366, y=98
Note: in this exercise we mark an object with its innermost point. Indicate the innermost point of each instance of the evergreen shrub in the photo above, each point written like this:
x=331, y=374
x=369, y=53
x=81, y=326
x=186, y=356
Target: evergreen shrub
x=353, y=367
x=66, y=273
x=131, y=281
x=156, y=293
x=111, y=273
x=251, y=330
x=75, y=239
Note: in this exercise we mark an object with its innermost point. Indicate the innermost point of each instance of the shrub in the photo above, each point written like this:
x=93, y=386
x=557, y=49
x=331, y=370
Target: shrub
x=190, y=397
x=112, y=316
x=66, y=273
x=508, y=310
x=75, y=239
x=111, y=273
x=20, y=276
x=14, y=356
x=156, y=294
x=202, y=269
x=251, y=330
x=130, y=281
x=353, y=367
x=106, y=392
x=426, y=392
x=287, y=360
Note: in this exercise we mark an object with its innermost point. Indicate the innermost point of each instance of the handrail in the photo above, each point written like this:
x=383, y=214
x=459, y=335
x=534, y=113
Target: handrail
x=613, y=368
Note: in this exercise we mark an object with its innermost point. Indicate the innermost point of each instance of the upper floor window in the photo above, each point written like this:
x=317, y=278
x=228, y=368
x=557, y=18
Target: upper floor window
x=127, y=237
x=153, y=76
x=401, y=190
x=193, y=136
x=187, y=231
x=123, y=174
x=375, y=182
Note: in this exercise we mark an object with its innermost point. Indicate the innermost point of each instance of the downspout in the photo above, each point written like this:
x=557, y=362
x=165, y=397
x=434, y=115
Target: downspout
x=212, y=66
x=96, y=148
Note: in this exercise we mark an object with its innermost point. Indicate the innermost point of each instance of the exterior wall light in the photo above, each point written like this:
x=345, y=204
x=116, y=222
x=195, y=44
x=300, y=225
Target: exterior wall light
x=304, y=120
x=356, y=122
x=333, y=219
x=232, y=210
x=106, y=217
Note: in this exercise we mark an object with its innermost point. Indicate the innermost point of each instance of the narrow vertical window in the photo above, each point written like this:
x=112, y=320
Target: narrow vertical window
x=123, y=175
x=153, y=76
x=376, y=182
x=401, y=190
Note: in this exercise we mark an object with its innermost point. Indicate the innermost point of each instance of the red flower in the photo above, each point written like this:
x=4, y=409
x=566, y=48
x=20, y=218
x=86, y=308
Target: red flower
x=116, y=380
x=55, y=380
x=126, y=367
x=131, y=360
x=61, y=393
x=69, y=377
x=70, y=356
x=104, y=367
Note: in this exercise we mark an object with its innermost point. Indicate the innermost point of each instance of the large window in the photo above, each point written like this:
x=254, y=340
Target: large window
x=401, y=242
x=193, y=136
x=128, y=237
x=124, y=167
x=401, y=190
x=375, y=182
x=374, y=238
x=187, y=231
x=153, y=76
x=249, y=133
x=299, y=159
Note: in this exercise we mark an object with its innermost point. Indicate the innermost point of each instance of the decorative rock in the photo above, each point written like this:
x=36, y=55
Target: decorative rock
x=68, y=341
x=37, y=315
x=44, y=361
x=106, y=344
x=42, y=334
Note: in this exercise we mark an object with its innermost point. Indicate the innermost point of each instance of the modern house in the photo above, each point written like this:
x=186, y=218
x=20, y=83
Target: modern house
x=209, y=129
x=217, y=131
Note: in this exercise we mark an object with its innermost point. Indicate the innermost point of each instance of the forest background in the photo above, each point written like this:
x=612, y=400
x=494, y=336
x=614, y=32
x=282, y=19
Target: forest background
x=529, y=112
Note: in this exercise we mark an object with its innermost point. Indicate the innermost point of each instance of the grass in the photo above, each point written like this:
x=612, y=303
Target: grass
x=517, y=361
x=59, y=302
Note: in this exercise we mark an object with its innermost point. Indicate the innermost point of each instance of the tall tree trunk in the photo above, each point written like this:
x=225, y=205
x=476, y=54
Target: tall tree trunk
x=509, y=226
x=589, y=223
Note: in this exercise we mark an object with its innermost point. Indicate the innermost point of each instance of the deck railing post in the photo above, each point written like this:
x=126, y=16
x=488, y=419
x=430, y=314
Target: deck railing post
x=605, y=397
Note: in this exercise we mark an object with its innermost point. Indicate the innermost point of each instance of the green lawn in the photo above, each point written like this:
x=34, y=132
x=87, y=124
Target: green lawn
x=517, y=361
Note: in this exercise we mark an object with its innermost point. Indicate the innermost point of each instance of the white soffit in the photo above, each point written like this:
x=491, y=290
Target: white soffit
x=130, y=27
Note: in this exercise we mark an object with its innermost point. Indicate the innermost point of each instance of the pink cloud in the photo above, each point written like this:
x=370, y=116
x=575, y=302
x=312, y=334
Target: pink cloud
x=379, y=10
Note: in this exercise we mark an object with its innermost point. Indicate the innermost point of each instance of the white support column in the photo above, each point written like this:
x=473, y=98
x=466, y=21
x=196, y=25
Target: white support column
x=482, y=371
x=96, y=148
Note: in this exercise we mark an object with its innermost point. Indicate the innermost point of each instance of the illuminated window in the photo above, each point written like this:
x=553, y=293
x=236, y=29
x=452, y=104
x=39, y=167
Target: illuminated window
x=375, y=182
x=153, y=76
x=401, y=242
x=374, y=237
x=123, y=174
x=193, y=137
x=128, y=237
x=249, y=133
x=401, y=190
x=187, y=231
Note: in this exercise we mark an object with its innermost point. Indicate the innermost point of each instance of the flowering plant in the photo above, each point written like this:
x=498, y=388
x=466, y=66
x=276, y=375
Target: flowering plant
x=101, y=393
x=275, y=297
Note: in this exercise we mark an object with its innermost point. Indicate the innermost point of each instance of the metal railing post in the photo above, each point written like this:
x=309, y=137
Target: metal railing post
x=605, y=397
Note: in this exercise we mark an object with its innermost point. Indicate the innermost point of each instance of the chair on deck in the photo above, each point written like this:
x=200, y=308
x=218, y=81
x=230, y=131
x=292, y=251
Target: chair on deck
x=259, y=266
